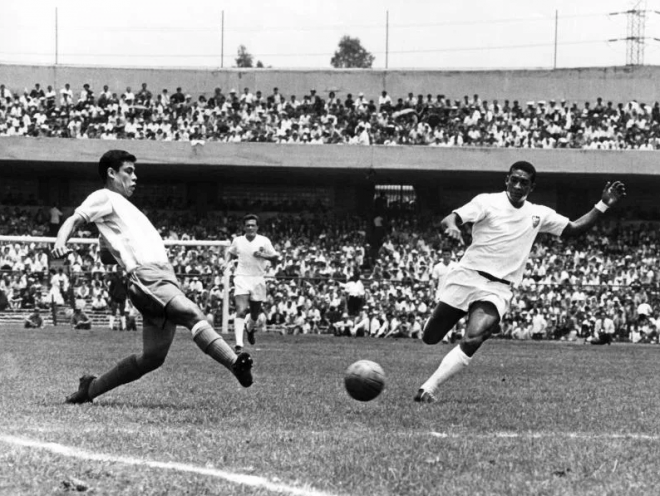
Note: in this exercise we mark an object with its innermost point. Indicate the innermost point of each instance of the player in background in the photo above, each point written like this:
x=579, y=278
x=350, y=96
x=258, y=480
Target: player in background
x=127, y=237
x=255, y=253
x=440, y=270
x=505, y=226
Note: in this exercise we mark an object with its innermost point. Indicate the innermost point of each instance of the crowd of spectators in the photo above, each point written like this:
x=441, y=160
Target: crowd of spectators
x=271, y=116
x=331, y=281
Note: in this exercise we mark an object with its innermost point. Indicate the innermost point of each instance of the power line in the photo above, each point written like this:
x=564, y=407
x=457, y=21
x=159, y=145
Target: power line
x=319, y=54
x=321, y=27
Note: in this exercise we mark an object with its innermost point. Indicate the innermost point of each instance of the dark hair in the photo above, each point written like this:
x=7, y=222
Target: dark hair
x=525, y=167
x=114, y=159
x=251, y=217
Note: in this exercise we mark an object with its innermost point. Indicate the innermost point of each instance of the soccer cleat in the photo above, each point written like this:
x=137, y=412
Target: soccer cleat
x=82, y=395
x=242, y=369
x=238, y=349
x=424, y=397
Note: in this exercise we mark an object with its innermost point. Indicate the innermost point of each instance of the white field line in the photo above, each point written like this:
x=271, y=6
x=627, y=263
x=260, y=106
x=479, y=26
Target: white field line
x=246, y=480
x=541, y=435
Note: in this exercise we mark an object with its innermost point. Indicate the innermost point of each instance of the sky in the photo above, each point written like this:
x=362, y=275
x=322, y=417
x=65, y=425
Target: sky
x=423, y=34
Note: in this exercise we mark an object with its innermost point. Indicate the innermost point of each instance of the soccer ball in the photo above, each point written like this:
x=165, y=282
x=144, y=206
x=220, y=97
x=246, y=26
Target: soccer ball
x=364, y=380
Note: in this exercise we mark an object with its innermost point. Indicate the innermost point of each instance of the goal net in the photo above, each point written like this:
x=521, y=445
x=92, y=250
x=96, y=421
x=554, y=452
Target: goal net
x=30, y=278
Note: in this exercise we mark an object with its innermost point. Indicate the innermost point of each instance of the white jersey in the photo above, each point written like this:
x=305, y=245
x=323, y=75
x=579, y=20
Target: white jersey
x=503, y=235
x=440, y=270
x=248, y=264
x=125, y=231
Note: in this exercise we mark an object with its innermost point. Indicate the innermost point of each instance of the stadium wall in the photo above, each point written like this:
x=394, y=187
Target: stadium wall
x=63, y=169
x=398, y=161
x=618, y=84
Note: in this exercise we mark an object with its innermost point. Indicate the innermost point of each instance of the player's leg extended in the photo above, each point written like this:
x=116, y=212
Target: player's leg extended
x=182, y=311
x=483, y=317
x=443, y=318
x=242, y=302
x=156, y=342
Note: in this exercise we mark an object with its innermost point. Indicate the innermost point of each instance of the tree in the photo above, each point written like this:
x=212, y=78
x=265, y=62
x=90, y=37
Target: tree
x=244, y=58
x=351, y=53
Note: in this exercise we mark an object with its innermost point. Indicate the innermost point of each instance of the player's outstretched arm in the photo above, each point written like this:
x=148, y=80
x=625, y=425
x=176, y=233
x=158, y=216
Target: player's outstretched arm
x=68, y=227
x=612, y=194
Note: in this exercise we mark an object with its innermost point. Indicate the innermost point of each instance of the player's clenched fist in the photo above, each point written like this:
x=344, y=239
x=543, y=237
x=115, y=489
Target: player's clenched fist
x=59, y=251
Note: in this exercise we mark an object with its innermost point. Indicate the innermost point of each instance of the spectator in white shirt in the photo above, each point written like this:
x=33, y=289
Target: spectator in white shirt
x=128, y=96
x=66, y=95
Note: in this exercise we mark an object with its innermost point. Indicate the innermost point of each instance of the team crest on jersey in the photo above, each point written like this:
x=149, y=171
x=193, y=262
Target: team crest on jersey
x=535, y=220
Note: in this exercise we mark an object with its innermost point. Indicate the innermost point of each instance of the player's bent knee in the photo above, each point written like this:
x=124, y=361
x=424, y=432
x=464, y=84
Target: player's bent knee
x=185, y=312
x=151, y=361
x=434, y=330
x=472, y=341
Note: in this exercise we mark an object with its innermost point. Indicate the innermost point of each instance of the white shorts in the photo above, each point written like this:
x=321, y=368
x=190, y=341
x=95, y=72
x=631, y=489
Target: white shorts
x=253, y=286
x=462, y=287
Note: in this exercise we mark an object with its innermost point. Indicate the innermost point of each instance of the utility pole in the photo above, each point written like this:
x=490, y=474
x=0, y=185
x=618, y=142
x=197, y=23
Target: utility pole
x=635, y=32
x=222, y=41
x=554, y=65
x=387, y=37
x=57, y=48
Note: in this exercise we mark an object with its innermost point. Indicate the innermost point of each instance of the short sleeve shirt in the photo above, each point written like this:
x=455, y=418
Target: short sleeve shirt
x=248, y=264
x=503, y=235
x=125, y=231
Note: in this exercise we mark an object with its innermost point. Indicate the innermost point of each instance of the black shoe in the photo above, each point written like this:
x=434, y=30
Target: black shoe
x=238, y=349
x=82, y=395
x=242, y=369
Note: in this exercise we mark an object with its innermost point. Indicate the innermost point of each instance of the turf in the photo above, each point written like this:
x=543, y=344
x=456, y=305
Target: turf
x=542, y=418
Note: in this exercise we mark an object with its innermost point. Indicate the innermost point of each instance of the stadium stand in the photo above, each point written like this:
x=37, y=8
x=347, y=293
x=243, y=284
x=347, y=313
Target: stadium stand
x=253, y=116
x=570, y=285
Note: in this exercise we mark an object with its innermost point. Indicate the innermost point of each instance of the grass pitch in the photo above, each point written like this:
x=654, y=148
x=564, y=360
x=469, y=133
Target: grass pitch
x=538, y=418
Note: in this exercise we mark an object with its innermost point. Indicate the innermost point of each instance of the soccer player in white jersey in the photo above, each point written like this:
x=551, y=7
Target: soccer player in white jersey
x=440, y=270
x=127, y=237
x=254, y=253
x=504, y=227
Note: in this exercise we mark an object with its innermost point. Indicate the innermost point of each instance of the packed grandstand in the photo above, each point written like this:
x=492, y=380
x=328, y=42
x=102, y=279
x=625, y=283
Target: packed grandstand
x=271, y=116
x=569, y=289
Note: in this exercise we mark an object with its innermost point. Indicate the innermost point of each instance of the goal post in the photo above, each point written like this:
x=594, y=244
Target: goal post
x=220, y=244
